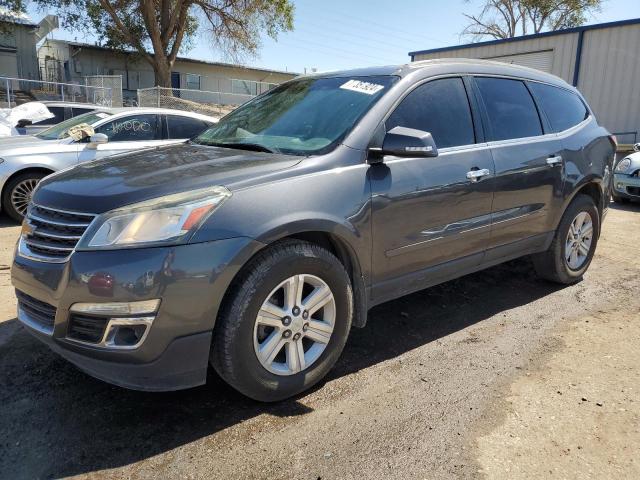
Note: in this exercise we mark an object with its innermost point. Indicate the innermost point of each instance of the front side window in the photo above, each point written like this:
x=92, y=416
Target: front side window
x=61, y=130
x=440, y=107
x=309, y=116
x=510, y=108
x=133, y=128
x=563, y=108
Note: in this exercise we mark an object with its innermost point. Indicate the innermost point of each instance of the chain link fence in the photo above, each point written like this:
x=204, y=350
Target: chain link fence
x=16, y=91
x=112, y=82
x=216, y=104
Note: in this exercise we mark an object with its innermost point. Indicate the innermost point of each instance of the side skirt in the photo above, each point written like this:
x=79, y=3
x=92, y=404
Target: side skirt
x=415, y=281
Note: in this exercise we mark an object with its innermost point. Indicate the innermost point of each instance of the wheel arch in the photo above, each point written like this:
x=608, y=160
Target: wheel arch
x=591, y=187
x=31, y=169
x=332, y=237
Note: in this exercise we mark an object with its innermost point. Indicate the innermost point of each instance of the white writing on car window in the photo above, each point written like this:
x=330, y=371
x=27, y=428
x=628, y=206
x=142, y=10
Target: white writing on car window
x=131, y=126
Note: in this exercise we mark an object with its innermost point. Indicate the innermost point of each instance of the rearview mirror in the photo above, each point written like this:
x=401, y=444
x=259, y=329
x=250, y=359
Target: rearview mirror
x=97, y=139
x=409, y=142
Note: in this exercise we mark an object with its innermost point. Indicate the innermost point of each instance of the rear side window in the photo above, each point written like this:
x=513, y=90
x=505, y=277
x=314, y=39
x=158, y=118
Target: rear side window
x=440, y=107
x=58, y=116
x=563, y=108
x=134, y=128
x=75, y=111
x=184, y=127
x=510, y=108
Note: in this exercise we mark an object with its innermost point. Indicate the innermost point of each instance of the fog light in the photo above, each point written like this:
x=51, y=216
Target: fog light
x=117, y=308
x=619, y=186
x=126, y=333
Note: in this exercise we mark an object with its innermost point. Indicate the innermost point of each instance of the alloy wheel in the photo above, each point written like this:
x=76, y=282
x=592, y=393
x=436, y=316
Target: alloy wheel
x=294, y=324
x=21, y=195
x=579, y=238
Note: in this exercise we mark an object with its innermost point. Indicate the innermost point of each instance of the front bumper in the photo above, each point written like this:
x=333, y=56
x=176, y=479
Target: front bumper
x=626, y=186
x=190, y=281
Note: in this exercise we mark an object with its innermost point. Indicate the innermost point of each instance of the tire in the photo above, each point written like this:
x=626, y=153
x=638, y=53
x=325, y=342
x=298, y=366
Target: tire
x=22, y=184
x=553, y=264
x=238, y=331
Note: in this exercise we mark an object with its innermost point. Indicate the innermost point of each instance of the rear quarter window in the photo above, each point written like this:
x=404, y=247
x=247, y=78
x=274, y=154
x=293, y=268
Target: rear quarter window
x=511, y=111
x=58, y=116
x=564, y=109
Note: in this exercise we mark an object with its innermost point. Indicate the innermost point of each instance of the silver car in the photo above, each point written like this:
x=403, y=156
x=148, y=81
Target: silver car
x=626, y=177
x=24, y=160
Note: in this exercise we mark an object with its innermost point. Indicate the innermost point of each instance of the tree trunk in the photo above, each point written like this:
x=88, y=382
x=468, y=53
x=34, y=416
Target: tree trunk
x=162, y=71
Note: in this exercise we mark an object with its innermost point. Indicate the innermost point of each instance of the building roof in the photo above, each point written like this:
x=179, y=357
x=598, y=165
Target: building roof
x=620, y=23
x=18, y=18
x=181, y=59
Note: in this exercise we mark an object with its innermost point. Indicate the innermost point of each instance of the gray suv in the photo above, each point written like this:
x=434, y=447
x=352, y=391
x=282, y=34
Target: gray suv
x=256, y=246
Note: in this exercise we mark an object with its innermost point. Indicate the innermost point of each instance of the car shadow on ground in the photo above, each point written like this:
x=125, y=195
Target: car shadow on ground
x=56, y=421
x=626, y=206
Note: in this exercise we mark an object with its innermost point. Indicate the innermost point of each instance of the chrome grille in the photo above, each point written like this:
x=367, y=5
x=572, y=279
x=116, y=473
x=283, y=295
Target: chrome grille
x=52, y=235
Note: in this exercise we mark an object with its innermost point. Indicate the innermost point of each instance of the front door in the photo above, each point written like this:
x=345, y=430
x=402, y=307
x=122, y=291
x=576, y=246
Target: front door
x=429, y=217
x=529, y=167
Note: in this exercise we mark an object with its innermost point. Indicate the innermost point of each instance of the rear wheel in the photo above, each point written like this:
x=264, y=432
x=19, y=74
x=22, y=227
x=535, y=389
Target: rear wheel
x=284, y=323
x=17, y=194
x=573, y=245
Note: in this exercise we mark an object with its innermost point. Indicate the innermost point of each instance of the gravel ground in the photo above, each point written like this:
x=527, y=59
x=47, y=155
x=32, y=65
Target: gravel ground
x=496, y=375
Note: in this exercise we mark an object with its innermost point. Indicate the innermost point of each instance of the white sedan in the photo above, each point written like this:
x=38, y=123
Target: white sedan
x=24, y=160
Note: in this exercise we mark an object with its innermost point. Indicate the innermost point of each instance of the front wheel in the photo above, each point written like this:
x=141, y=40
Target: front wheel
x=573, y=245
x=284, y=323
x=17, y=194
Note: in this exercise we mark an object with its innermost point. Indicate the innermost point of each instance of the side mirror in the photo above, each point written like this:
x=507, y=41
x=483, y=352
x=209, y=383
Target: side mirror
x=636, y=147
x=408, y=142
x=24, y=123
x=97, y=139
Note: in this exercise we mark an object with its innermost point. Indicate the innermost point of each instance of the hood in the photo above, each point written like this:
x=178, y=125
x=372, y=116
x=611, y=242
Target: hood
x=97, y=187
x=25, y=144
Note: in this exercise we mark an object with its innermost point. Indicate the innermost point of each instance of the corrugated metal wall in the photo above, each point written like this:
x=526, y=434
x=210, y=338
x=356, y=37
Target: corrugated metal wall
x=609, y=75
x=563, y=47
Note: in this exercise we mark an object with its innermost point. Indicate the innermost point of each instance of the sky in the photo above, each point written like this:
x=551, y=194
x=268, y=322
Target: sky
x=334, y=34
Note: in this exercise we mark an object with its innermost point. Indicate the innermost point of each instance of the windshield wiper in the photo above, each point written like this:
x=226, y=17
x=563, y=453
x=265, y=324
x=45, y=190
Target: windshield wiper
x=254, y=147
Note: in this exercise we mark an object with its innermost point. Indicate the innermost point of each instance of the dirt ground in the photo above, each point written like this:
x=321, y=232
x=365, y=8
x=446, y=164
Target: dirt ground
x=495, y=375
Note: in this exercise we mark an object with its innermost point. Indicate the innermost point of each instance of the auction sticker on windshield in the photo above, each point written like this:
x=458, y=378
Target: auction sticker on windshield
x=362, y=87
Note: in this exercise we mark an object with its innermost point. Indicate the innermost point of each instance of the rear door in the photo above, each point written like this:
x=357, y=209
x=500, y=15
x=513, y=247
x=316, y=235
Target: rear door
x=427, y=214
x=528, y=162
x=180, y=127
x=127, y=133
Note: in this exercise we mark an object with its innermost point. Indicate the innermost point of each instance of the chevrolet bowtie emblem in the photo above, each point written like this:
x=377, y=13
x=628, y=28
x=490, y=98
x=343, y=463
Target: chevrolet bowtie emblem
x=27, y=228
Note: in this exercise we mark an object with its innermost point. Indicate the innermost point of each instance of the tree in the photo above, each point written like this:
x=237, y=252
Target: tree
x=159, y=29
x=509, y=18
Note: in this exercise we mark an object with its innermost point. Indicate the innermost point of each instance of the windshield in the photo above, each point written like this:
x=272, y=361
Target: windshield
x=60, y=130
x=302, y=117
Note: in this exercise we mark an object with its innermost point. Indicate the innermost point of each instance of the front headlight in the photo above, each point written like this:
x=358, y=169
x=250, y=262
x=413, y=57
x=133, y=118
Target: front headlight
x=164, y=220
x=623, y=165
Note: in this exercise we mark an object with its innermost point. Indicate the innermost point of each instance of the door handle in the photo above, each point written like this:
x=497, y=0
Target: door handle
x=555, y=160
x=475, y=175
